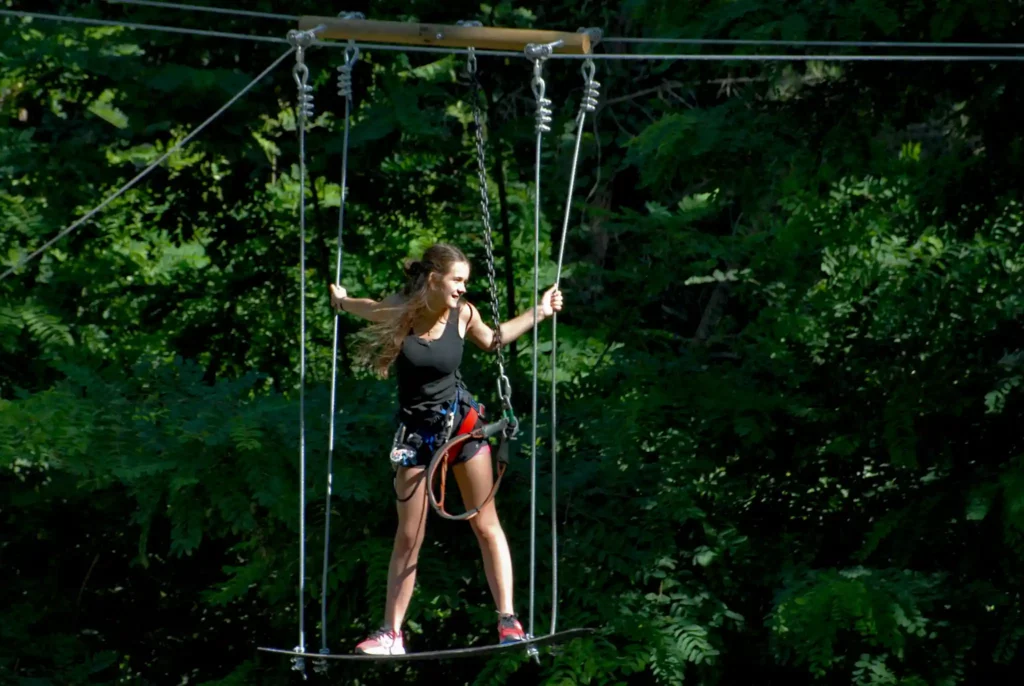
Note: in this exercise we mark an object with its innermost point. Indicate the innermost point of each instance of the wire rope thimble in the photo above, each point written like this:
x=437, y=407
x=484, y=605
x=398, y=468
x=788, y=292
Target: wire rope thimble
x=591, y=88
x=537, y=53
x=301, y=41
x=345, y=70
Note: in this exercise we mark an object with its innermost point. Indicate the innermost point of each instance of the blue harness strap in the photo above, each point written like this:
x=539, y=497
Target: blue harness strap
x=448, y=418
x=431, y=433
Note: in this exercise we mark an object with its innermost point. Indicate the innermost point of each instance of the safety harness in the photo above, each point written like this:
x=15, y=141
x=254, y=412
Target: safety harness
x=451, y=448
x=406, y=444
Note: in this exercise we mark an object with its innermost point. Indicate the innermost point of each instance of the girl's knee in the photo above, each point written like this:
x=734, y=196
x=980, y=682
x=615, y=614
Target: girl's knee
x=407, y=542
x=487, y=528
x=410, y=534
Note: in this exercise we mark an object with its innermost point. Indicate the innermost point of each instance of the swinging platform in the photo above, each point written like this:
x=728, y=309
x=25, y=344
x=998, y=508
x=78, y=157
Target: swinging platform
x=471, y=651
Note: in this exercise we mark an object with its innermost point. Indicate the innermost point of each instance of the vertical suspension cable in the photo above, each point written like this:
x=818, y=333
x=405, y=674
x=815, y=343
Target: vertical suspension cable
x=587, y=104
x=302, y=41
x=345, y=90
x=537, y=53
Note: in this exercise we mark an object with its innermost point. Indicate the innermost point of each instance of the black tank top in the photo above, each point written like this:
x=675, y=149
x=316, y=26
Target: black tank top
x=428, y=371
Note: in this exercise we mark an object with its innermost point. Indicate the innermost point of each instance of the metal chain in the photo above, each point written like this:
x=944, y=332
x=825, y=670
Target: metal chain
x=504, y=384
x=301, y=40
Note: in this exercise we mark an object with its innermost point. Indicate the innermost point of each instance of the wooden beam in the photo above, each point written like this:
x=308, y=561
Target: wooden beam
x=440, y=35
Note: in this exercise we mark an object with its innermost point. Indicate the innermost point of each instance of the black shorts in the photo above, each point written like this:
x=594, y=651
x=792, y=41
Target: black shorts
x=424, y=435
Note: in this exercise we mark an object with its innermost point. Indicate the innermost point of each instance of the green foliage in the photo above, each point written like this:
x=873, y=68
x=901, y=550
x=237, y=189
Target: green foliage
x=880, y=609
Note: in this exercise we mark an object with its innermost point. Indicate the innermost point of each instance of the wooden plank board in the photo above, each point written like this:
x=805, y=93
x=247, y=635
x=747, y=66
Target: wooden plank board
x=440, y=35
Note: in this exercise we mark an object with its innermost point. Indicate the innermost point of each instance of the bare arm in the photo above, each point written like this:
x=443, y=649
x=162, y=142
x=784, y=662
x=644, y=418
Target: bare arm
x=483, y=335
x=365, y=308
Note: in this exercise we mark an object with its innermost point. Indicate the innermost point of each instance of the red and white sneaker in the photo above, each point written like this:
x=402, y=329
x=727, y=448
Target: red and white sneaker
x=382, y=642
x=510, y=630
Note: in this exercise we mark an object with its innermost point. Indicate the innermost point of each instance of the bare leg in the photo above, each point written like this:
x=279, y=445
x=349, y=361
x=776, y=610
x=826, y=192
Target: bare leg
x=475, y=478
x=412, y=520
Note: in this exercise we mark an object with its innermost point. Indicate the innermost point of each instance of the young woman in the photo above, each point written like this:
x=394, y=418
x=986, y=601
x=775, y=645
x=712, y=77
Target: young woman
x=421, y=331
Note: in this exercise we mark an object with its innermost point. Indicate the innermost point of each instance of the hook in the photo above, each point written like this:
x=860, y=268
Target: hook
x=541, y=51
x=301, y=41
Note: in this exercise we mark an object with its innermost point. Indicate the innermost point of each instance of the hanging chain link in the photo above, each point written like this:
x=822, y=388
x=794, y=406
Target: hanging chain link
x=504, y=384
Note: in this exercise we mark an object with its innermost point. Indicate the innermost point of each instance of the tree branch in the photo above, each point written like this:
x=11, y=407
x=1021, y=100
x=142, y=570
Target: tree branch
x=81, y=589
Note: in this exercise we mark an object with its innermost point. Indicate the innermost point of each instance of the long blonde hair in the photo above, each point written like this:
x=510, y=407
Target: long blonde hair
x=382, y=342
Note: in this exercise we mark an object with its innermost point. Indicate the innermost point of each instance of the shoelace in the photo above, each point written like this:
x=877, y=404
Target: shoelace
x=509, y=621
